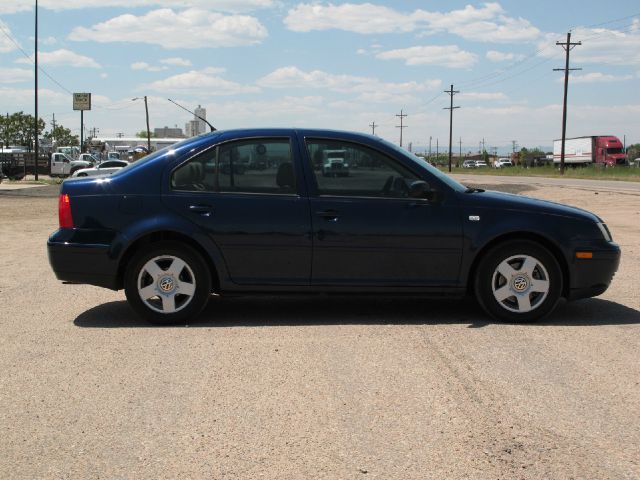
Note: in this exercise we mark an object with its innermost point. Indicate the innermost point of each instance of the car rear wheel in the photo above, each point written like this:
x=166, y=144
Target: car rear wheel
x=168, y=283
x=518, y=281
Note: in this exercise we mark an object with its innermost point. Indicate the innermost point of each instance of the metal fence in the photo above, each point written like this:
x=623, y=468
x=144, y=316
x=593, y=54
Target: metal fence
x=15, y=165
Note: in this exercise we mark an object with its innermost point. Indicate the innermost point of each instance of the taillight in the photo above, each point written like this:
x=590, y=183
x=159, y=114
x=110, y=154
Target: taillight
x=64, y=211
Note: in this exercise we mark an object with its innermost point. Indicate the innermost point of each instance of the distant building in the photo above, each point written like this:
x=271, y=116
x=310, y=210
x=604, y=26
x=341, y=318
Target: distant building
x=196, y=126
x=167, y=132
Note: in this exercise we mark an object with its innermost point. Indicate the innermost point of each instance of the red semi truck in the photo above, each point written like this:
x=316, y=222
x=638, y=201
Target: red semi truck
x=605, y=150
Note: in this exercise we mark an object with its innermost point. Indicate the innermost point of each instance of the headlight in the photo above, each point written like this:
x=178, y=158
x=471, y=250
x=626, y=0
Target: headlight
x=605, y=231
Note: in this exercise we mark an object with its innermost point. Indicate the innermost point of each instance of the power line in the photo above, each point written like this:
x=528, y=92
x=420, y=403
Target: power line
x=32, y=61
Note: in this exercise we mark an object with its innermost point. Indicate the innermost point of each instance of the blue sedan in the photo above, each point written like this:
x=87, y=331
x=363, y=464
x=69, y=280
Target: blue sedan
x=249, y=211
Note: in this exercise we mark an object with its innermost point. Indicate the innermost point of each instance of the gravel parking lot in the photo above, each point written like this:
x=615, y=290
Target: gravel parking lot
x=318, y=387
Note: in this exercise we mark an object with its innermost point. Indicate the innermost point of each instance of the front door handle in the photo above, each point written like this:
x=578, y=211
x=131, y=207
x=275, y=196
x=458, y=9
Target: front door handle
x=203, y=210
x=328, y=215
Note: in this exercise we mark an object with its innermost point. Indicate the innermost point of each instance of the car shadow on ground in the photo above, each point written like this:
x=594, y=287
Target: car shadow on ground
x=274, y=311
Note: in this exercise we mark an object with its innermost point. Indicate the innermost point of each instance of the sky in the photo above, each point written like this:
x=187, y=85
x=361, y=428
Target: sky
x=342, y=65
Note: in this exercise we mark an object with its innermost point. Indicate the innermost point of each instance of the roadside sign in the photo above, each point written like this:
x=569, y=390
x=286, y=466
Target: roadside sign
x=82, y=101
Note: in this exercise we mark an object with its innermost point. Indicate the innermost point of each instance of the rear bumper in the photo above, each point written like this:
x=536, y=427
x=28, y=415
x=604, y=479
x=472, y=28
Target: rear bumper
x=592, y=277
x=83, y=263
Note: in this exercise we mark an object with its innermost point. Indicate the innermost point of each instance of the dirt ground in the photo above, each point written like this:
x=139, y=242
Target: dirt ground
x=320, y=387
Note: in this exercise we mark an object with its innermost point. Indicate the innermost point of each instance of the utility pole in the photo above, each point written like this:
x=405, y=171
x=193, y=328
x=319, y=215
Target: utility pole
x=146, y=109
x=429, y=147
x=513, y=146
x=568, y=46
x=451, y=93
x=437, y=151
x=401, y=126
x=460, y=152
x=35, y=142
x=483, y=149
x=373, y=127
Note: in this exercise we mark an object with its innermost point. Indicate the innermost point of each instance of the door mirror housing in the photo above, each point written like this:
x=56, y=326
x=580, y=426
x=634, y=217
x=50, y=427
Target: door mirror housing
x=421, y=189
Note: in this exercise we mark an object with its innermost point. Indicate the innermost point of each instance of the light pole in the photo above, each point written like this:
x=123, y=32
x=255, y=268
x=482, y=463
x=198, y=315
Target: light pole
x=146, y=109
x=35, y=143
x=213, y=129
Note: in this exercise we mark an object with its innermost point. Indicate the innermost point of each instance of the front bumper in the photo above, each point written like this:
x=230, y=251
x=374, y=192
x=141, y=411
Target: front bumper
x=592, y=277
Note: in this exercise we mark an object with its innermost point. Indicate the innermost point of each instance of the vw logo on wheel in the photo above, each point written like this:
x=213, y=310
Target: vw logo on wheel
x=520, y=283
x=166, y=284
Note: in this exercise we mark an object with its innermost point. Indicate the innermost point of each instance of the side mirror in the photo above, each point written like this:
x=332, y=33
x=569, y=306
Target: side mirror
x=418, y=189
x=421, y=189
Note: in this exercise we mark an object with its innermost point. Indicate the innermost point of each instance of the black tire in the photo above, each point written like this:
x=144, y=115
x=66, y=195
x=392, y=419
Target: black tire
x=82, y=174
x=518, y=281
x=193, y=276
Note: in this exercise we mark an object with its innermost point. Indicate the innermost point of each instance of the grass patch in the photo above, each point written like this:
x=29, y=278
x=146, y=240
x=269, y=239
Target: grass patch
x=630, y=174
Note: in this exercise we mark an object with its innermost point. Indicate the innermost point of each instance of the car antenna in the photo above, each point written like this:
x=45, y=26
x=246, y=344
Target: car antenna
x=213, y=129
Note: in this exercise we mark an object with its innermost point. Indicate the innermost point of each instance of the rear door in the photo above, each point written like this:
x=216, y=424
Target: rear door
x=249, y=196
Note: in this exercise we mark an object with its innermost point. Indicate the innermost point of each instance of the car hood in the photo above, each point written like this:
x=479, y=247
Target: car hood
x=508, y=201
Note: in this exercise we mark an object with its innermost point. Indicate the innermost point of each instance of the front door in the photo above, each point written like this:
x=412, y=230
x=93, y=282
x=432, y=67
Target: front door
x=367, y=231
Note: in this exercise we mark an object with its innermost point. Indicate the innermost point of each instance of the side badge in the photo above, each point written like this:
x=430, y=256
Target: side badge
x=474, y=218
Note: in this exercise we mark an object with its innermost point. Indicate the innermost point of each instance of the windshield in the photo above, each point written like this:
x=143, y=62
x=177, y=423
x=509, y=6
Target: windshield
x=446, y=179
x=613, y=151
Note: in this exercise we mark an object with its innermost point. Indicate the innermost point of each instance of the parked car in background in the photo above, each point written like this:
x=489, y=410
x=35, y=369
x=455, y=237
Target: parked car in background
x=62, y=165
x=481, y=163
x=173, y=228
x=503, y=162
x=469, y=164
x=113, y=155
x=107, y=167
x=87, y=157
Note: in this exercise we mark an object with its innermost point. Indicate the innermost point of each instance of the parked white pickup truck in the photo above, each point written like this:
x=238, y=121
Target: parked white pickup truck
x=62, y=165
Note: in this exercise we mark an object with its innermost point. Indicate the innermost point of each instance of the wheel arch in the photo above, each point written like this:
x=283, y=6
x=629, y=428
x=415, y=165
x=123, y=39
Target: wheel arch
x=531, y=236
x=164, y=235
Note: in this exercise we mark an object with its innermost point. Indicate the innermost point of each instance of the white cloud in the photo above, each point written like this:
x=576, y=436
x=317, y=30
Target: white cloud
x=15, y=75
x=482, y=96
x=104, y=75
x=495, y=56
x=14, y=6
x=201, y=82
x=359, y=18
x=49, y=41
x=6, y=45
x=597, y=77
x=146, y=67
x=63, y=57
x=442, y=55
x=369, y=89
x=599, y=45
x=485, y=24
x=169, y=29
x=181, y=62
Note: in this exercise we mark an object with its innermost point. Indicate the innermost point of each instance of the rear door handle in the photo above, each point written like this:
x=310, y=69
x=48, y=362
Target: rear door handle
x=328, y=215
x=203, y=210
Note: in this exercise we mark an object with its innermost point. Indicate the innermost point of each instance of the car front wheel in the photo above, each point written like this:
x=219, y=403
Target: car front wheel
x=518, y=281
x=168, y=283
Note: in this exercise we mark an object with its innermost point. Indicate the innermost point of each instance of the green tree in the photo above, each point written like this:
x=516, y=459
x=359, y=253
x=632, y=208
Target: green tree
x=633, y=152
x=18, y=129
x=143, y=134
x=62, y=136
